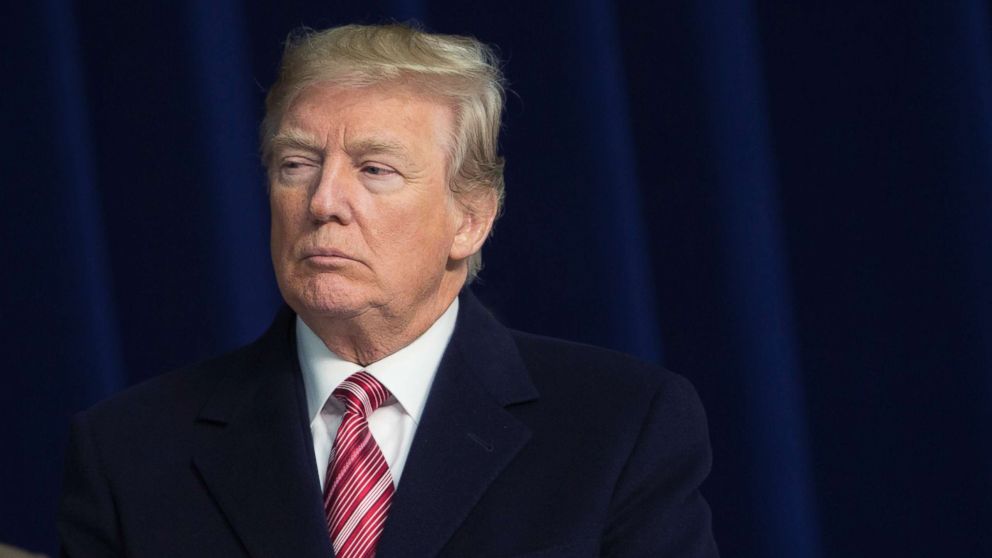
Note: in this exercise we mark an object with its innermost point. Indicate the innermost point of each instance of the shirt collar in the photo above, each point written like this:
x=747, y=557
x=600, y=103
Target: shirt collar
x=407, y=373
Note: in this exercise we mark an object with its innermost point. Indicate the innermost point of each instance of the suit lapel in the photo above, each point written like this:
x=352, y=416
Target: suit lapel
x=465, y=437
x=255, y=453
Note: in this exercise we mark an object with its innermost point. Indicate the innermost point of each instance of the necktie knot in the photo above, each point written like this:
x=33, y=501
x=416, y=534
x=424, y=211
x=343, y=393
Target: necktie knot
x=361, y=394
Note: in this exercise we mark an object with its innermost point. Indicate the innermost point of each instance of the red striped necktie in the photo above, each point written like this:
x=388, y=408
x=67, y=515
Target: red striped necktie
x=358, y=489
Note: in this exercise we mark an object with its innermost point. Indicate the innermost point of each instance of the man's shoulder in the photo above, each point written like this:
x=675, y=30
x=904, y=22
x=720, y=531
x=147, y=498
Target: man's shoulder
x=558, y=364
x=176, y=394
x=553, y=348
x=181, y=393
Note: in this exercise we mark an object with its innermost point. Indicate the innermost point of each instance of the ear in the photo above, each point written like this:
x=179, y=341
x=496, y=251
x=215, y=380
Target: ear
x=477, y=211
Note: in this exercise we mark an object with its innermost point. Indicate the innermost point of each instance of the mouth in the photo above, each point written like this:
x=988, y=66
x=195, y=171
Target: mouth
x=327, y=258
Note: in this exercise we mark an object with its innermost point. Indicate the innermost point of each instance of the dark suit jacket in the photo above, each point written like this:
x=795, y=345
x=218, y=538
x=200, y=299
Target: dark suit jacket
x=528, y=446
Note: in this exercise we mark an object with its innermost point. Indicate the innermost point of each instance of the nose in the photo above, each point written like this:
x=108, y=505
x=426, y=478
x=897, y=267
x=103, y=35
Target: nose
x=330, y=198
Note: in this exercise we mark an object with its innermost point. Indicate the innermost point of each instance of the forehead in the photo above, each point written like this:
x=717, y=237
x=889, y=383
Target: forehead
x=386, y=114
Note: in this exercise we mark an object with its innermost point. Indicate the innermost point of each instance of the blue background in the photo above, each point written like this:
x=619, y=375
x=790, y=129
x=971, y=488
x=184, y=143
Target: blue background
x=790, y=203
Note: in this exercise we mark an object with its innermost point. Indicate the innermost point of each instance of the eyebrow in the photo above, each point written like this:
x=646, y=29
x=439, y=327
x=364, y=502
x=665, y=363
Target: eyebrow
x=294, y=138
x=377, y=146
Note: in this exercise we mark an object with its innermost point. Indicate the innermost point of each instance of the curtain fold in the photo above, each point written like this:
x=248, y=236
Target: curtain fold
x=756, y=277
x=225, y=140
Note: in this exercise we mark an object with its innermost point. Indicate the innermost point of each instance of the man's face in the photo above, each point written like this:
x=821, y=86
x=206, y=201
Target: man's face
x=362, y=216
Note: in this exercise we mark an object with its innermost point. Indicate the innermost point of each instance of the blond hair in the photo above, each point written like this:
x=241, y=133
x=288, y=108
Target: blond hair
x=460, y=70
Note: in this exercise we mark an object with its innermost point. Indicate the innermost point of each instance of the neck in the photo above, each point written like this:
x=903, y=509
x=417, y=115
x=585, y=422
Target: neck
x=380, y=332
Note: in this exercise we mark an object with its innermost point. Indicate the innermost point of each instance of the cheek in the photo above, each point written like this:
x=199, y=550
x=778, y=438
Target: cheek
x=426, y=234
x=285, y=223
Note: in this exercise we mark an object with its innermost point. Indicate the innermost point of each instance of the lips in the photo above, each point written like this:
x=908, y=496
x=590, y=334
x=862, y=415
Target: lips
x=327, y=257
x=325, y=253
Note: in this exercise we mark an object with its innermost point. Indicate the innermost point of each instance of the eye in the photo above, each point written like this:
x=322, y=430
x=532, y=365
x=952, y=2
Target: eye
x=377, y=170
x=296, y=170
x=294, y=164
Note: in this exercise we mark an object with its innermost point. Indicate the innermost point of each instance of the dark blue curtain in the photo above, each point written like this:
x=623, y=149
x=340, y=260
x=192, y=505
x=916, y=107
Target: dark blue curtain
x=790, y=203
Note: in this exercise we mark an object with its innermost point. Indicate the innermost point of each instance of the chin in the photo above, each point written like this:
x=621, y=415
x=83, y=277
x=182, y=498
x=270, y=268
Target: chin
x=328, y=297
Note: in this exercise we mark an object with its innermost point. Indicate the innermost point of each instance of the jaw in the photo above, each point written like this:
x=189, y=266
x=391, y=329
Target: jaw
x=363, y=325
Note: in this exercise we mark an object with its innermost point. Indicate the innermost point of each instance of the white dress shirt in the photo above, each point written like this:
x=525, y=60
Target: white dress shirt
x=407, y=374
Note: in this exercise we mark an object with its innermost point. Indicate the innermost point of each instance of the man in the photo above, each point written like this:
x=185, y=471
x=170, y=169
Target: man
x=386, y=412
